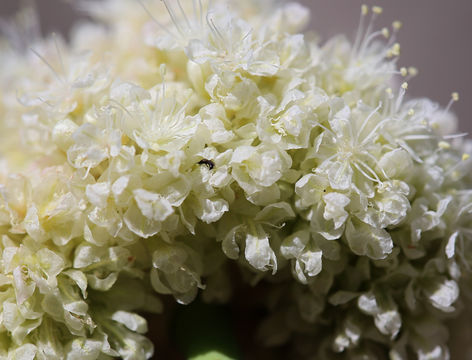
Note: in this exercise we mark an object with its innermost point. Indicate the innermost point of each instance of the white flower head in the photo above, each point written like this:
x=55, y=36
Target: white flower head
x=185, y=147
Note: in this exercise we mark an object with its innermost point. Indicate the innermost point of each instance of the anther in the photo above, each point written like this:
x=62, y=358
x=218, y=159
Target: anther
x=385, y=33
x=396, y=49
x=405, y=86
x=412, y=71
x=411, y=112
x=403, y=71
x=465, y=157
x=444, y=145
x=397, y=25
x=377, y=10
x=454, y=98
x=364, y=9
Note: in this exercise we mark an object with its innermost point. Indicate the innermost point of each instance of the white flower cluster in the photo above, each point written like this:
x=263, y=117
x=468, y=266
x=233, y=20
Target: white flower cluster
x=171, y=138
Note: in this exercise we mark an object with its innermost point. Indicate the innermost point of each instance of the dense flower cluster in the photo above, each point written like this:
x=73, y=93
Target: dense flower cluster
x=170, y=138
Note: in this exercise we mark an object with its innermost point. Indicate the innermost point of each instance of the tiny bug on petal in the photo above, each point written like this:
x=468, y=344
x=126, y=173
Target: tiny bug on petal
x=207, y=162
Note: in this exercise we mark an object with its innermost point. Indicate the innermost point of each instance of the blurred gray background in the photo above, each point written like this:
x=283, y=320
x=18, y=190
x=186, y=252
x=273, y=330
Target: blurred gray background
x=435, y=38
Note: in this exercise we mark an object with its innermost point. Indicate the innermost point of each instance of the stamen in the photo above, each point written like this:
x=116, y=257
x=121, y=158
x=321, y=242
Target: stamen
x=412, y=71
x=385, y=32
x=454, y=98
x=360, y=28
x=374, y=130
x=401, y=95
x=173, y=18
x=394, y=51
x=410, y=151
x=453, y=170
x=162, y=27
x=377, y=10
x=375, y=179
x=184, y=15
x=397, y=25
x=161, y=94
x=56, y=75
x=59, y=54
x=330, y=157
x=388, y=107
x=116, y=105
x=455, y=136
x=87, y=172
x=366, y=120
x=45, y=102
x=376, y=162
x=328, y=131
x=215, y=31
x=444, y=145
x=373, y=36
x=418, y=137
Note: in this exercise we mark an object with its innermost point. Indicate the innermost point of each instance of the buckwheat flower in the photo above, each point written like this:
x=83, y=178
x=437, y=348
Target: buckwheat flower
x=257, y=169
x=312, y=190
x=363, y=69
x=176, y=270
x=217, y=124
x=231, y=46
x=58, y=217
x=62, y=89
x=287, y=123
x=91, y=145
x=352, y=136
x=238, y=95
x=160, y=121
x=306, y=252
x=44, y=297
x=211, y=190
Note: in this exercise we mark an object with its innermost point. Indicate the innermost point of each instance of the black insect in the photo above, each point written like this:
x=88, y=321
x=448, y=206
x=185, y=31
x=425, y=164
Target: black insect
x=207, y=162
